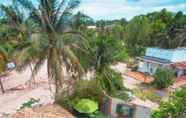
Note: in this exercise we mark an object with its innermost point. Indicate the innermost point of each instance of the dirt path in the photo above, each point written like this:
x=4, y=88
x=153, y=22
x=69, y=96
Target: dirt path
x=13, y=99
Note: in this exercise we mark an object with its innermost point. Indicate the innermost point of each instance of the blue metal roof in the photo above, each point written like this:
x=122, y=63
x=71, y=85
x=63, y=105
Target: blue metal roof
x=155, y=59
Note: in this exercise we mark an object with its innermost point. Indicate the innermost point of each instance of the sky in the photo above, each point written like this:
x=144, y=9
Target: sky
x=116, y=9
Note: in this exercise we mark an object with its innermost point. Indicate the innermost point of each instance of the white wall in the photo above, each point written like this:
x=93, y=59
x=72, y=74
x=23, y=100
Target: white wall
x=115, y=101
x=142, y=112
x=139, y=111
x=147, y=67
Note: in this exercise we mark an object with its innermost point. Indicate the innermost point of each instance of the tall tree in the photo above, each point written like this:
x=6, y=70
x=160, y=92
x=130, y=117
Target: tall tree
x=53, y=40
x=137, y=35
x=104, y=51
x=175, y=107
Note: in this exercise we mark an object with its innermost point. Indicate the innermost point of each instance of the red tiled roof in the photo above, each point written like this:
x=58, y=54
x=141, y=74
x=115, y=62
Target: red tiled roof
x=180, y=65
x=181, y=81
x=140, y=76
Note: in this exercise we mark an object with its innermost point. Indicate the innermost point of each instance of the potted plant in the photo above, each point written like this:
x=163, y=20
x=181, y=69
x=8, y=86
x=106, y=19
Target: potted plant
x=85, y=107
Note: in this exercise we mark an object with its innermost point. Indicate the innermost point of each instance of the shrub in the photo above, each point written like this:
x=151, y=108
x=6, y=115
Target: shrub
x=86, y=106
x=110, y=81
x=175, y=107
x=30, y=103
x=65, y=102
x=163, y=78
x=89, y=89
x=147, y=94
x=121, y=95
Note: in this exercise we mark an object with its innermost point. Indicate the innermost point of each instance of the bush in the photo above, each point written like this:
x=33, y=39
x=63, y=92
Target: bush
x=121, y=95
x=66, y=102
x=173, y=108
x=30, y=103
x=147, y=94
x=89, y=89
x=163, y=78
x=110, y=80
x=86, y=106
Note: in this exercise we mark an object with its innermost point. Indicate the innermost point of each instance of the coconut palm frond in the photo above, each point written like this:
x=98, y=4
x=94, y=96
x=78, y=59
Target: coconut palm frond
x=75, y=63
x=64, y=18
x=3, y=51
x=46, y=37
x=26, y=4
x=73, y=39
x=37, y=66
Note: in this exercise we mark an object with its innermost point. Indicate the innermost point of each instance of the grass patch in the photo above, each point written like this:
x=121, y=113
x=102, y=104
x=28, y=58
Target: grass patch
x=147, y=95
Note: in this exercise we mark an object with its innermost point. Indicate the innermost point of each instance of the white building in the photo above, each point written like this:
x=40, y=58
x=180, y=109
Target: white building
x=155, y=57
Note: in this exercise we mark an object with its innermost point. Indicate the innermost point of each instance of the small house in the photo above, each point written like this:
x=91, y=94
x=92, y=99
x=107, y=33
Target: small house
x=156, y=57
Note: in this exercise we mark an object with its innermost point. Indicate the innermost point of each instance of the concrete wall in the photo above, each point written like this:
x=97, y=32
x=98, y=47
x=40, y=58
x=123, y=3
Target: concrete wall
x=142, y=112
x=115, y=101
x=139, y=111
x=174, y=55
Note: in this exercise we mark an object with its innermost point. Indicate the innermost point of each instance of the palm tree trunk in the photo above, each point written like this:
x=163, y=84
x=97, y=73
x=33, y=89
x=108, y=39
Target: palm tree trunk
x=55, y=69
x=57, y=93
x=33, y=78
x=1, y=85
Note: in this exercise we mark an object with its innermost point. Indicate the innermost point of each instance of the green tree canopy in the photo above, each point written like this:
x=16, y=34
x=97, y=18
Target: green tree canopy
x=52, y=39
x=175, y=107
x=137, y=35
x=163, y=78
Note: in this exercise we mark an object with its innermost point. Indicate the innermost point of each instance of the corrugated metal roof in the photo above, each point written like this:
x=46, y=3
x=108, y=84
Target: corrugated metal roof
x=155, y=60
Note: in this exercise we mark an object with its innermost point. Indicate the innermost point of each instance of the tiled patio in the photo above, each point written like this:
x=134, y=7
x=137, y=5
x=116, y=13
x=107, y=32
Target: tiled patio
x=140, y=77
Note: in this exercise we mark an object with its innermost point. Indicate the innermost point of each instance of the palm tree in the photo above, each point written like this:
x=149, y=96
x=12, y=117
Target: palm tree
x=13, y=32
x=104, y=51
x=52, y=40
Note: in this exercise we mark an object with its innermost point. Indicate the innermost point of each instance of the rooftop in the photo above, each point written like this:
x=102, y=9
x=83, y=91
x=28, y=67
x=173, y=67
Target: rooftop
x=180, y=65
x=141, y=77
x=173, y=55
x=155, y=60
x=180, y=82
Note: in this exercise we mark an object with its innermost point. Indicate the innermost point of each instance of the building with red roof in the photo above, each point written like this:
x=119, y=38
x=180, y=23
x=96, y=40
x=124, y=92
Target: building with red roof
x=174, y=59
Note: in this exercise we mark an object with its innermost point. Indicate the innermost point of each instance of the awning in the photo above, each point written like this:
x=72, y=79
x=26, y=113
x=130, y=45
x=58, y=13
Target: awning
x=155, y=60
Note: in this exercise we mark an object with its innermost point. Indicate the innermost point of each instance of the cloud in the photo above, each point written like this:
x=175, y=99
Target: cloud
x=113, y=9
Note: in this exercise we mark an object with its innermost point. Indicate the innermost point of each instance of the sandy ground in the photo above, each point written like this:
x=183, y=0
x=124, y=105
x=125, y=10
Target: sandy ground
x=13, y=99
